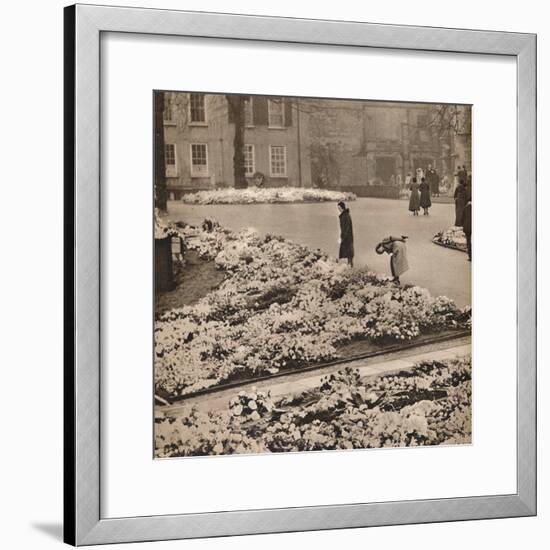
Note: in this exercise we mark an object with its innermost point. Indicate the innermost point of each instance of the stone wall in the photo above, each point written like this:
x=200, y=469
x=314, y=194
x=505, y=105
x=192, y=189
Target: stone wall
x=371, y=143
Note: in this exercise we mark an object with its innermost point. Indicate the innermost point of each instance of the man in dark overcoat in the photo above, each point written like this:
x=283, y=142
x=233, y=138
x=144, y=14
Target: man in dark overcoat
x=433, y=181
x=460, y=202
x=346, y=234
x=467, y=226
x=430, y=178
x=462, y=174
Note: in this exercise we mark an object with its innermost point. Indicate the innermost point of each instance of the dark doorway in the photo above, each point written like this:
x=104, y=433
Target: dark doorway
x=385, y=168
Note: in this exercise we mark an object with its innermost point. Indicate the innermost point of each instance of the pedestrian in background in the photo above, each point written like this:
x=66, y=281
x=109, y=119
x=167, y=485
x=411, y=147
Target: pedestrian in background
x=460, y=203
x=425, y=199
x=414, y=200
x=434, y=183
x=467, y=226
x=430, y=180
x=462, y=173
x=397, y=249
x=346, y=234
x=456, y=181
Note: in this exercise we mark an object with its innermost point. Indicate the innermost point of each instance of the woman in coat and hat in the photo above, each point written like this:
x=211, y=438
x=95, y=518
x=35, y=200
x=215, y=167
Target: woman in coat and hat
x=425, y=199
x=396, y=247
x=346, y=234
x=414, y=200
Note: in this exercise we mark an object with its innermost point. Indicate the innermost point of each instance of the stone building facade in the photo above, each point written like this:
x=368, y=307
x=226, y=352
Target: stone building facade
x=364, y=143
x=338, y=144
x=199, y=133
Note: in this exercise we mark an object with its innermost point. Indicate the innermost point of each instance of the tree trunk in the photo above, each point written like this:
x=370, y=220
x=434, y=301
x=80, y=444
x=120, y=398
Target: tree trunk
x=236, y=105
x=160, y=168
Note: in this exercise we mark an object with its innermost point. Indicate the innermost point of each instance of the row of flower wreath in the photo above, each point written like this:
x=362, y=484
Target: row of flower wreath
x=259, y=194
x=344, y=412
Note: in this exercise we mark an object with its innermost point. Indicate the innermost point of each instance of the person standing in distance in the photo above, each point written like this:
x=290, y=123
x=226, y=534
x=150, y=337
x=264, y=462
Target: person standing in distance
x=346, y=234
x=467, y=225
x=460, y=203
x=414, y=200
x=425, y=200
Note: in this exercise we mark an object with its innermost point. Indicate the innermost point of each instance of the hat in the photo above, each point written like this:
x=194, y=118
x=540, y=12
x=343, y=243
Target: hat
x=381, y=246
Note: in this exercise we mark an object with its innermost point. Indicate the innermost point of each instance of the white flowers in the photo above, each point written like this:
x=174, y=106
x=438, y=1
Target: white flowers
x=431, y=406
x=266, y=195
x=452, y=237
x=162, y=229
x=282, y=306
x=251, y=406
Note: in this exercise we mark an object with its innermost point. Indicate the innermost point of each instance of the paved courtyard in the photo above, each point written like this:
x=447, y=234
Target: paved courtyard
x=441, y=270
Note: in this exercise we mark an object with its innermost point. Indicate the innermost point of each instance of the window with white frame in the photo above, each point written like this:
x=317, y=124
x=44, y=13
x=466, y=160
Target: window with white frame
x=197, y=109
x=199, y=159
x=170, y=161
x=249, y=112
x=277, y=157
x=248, y=160
x=276, y=113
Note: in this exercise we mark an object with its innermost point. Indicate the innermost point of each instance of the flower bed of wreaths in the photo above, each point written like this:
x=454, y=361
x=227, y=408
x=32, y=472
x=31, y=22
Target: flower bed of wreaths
x=453, y=237
x=282, y=307
x=427, y=405
x=254, y=195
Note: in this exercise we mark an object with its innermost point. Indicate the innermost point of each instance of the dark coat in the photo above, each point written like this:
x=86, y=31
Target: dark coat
x=429, y=176
x=346, y=235
x=425, y=200
x=460, y=203
x=432, y=179
x=414, y=201
x=467, y=219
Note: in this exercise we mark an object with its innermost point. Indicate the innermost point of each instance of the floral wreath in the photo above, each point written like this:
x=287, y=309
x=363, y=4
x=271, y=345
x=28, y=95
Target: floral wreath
x=259, y=177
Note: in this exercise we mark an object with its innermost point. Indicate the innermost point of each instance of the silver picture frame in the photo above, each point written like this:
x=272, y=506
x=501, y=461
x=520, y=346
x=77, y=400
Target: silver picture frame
x=83, y=524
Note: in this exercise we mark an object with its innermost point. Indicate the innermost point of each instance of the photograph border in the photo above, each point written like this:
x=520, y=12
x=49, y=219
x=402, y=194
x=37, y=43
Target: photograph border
x=83, y=524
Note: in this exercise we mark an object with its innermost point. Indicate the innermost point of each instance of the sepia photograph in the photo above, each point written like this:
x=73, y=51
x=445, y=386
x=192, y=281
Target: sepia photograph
x=312, y=274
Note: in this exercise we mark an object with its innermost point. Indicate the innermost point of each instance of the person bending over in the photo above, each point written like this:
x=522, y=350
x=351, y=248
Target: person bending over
x=396, y=247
